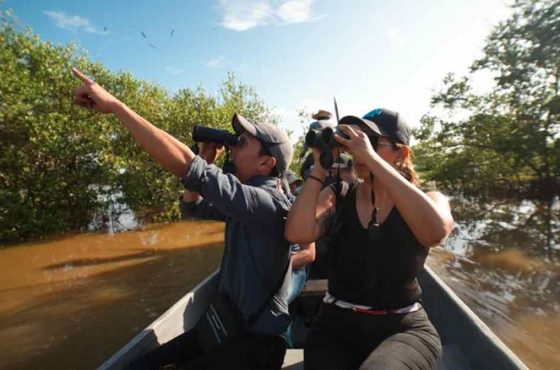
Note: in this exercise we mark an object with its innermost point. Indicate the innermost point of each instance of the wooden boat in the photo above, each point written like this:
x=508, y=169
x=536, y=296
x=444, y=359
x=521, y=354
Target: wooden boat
x=467, y=342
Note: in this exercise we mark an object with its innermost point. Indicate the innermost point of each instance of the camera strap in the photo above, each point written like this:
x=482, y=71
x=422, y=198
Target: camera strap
x=374, y=230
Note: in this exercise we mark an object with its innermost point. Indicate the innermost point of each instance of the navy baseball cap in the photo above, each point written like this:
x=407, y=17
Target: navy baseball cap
x=382, y=122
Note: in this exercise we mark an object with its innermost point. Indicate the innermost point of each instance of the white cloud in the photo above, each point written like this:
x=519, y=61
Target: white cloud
x=218, y=62
x=295, y=11
x=242, y=15
x=72, y=22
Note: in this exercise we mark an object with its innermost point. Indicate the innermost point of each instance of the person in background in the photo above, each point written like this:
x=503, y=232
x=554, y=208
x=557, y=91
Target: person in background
x=255, y=271
x=322, y=120
x=292, y=181
x=379, y=233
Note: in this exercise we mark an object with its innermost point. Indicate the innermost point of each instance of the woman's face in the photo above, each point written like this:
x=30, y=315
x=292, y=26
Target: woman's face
x=384, y=148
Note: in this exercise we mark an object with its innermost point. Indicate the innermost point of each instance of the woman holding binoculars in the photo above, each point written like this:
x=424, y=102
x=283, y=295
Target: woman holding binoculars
x=380, y=231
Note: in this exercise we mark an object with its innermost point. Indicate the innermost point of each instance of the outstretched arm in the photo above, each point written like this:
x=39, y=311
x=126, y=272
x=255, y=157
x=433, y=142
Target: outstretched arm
x=164, y=148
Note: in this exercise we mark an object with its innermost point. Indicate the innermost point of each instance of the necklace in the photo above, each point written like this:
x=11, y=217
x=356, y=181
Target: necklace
x=374, y=229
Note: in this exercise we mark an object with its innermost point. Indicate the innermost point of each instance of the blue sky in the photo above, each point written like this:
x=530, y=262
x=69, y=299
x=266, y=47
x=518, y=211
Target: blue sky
x=296, y=53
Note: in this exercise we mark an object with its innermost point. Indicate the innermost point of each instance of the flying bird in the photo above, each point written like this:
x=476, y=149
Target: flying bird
x=152, y=46
x=105, y=29
x=143, y=34
x=172, y=32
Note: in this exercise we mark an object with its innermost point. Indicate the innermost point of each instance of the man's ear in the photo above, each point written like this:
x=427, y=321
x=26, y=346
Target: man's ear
x=269, y=163
x=272, y=161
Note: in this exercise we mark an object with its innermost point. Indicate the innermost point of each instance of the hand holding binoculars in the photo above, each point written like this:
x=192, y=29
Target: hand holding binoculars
x=325, y=141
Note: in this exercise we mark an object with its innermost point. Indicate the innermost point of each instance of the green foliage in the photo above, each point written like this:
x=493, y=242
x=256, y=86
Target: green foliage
x=63, y=168
x=304, y=119
x=505, y=142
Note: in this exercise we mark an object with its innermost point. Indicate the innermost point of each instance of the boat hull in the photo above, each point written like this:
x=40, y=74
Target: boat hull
x=467, y=342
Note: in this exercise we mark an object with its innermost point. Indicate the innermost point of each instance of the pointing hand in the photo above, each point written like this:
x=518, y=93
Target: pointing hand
x=91, y=95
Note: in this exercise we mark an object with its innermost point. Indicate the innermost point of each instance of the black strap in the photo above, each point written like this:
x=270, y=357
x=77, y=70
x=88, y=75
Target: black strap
x=341, y=189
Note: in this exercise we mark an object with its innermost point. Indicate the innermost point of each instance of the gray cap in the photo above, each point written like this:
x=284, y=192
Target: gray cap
x=272, y=137
x=343, y=162
x=321, y=124
x=290, y=176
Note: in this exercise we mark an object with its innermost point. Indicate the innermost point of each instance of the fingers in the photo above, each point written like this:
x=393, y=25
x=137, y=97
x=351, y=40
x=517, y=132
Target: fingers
x=341, y=140
x=348, y=130
x=82, y=91
x=82, y=98
x=210, y=146
x=84, y=102
x=81, y=76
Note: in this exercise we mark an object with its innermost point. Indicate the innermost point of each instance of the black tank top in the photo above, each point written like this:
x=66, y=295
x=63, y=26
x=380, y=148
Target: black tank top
x=380, y=274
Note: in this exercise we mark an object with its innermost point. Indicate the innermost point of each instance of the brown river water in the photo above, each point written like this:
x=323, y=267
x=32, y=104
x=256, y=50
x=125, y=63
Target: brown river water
x=72, y=302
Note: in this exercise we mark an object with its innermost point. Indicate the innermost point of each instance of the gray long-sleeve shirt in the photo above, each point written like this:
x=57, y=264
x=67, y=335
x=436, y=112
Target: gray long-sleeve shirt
x=256, y=251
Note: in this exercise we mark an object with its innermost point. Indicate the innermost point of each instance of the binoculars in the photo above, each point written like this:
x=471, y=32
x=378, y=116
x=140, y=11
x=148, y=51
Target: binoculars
x=203, y=134
x=324, y=141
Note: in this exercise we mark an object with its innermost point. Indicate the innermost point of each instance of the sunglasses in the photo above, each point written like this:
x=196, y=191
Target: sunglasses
x=376, y=143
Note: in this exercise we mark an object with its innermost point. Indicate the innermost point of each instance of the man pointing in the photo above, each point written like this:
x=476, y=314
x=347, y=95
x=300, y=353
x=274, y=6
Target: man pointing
x=254, y=274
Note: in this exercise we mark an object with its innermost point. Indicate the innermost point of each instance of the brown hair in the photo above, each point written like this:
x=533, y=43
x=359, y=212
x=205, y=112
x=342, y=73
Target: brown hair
x=406, y=168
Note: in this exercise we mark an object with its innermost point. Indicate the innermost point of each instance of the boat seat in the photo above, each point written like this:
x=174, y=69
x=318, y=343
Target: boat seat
x=315, y=288
x=293, y=360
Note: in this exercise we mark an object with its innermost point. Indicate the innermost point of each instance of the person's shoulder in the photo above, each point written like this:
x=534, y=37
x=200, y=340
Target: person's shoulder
x=437, y=196
x=278, y=196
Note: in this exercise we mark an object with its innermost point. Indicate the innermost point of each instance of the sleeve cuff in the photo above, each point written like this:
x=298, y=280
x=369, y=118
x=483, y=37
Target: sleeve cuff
x=192, y=180
x=188, y=208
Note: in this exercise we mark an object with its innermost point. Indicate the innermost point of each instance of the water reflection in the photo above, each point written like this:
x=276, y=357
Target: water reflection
x=71, y=303
x=531, y=226
x=505, y=265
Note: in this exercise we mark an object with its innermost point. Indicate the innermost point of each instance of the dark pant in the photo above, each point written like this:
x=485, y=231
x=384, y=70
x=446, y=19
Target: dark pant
x=344, y=339
x=253, y=352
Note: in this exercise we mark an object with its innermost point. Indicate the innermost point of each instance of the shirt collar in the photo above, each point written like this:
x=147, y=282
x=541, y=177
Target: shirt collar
x=260, y=181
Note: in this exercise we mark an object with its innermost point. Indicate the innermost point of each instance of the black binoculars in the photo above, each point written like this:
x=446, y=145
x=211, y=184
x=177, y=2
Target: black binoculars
x=203, y=134
x=324, y=141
